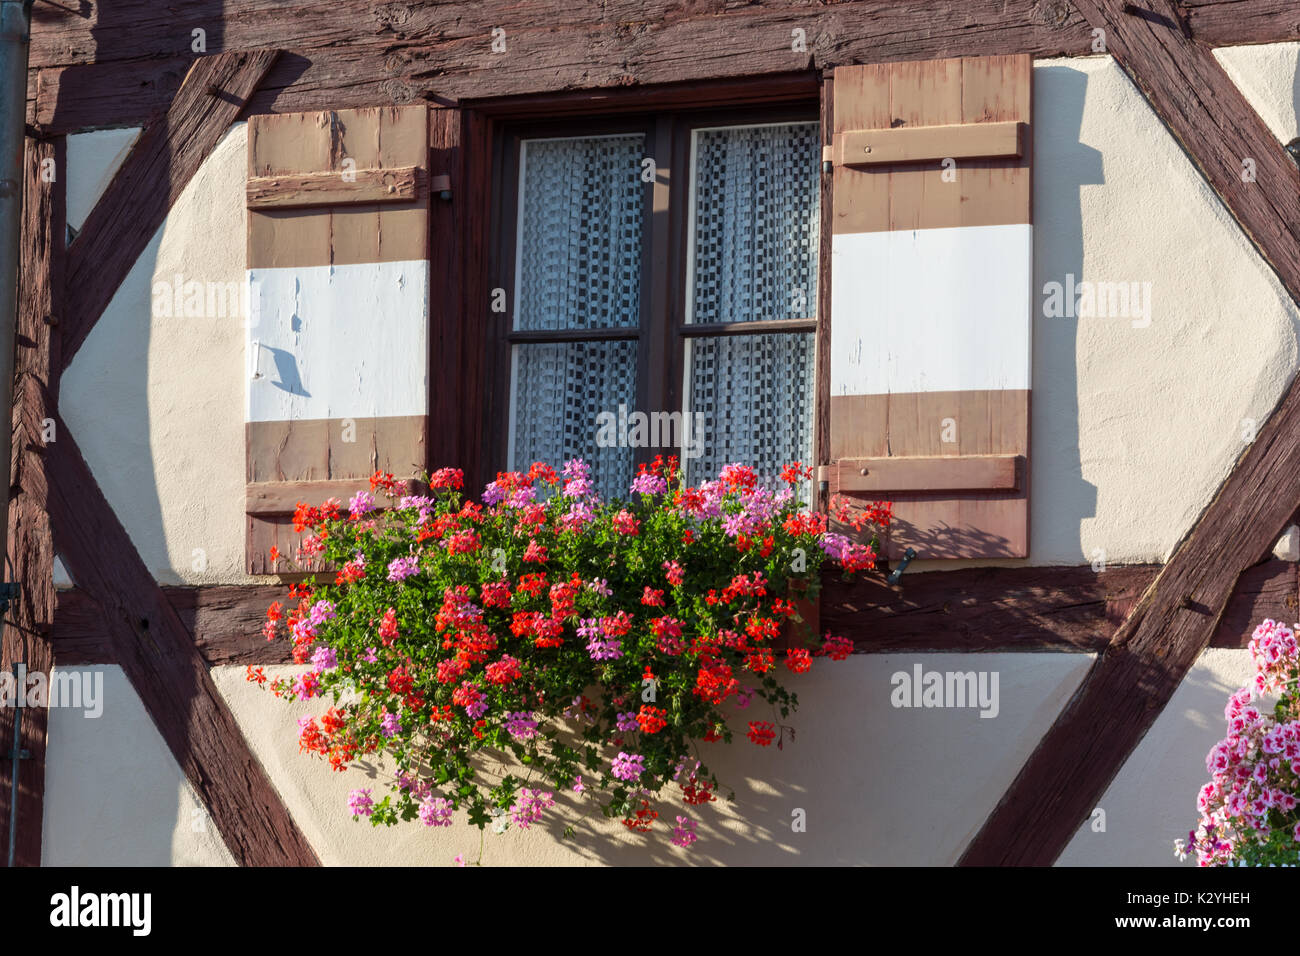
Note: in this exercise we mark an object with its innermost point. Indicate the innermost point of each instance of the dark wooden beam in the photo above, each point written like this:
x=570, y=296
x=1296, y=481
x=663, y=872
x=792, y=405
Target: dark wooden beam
x=1236, y=22
x=225, y=621
x=31, y=555
x=156, y=651
x=1027, y=609
x=981, y=609
x=120, y=63
x=1150, y=654
x=136, y=202
x=1268, y=590
x=99, y=71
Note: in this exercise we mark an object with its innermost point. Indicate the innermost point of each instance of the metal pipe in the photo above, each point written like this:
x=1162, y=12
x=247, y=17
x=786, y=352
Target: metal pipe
x=15, y=31
x=16, y=756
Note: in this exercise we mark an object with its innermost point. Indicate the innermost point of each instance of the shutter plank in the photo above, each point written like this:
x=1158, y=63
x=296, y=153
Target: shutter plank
x=304, y=190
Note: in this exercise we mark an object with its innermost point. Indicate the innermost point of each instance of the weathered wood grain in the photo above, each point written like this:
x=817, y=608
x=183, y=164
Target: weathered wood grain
x=91, y=73
x=31, y=553
x=305, y=190
x=1028, y=609
x=1149, y=654
x=225, y=620
x=150, y=642
x=1063, y=609
x=164, y=159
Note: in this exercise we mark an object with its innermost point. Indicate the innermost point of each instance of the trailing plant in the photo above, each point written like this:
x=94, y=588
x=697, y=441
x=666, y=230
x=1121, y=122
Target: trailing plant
x=1249, y=814
x=596, y=642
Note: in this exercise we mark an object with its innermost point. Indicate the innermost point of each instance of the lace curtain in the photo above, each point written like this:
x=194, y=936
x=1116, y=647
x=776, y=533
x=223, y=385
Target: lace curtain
x=578, y=267
x=754, y=394
x=560, y=389
x=579, y=264
x=755, y=238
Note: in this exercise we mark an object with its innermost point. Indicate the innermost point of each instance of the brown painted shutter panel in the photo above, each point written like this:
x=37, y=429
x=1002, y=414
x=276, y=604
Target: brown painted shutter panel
x=930, y=306
x=338, y=338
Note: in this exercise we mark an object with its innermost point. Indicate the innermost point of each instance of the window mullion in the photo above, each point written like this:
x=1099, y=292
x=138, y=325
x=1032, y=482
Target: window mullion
x=656, y=344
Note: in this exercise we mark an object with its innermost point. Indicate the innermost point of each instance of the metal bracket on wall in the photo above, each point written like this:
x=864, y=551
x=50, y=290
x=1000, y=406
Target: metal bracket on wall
x=9, y=592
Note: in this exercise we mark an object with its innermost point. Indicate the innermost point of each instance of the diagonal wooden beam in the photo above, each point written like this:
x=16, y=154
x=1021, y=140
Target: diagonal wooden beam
x=158, y=654
x=29, y=620
x=167, y=155
x=1152, y=651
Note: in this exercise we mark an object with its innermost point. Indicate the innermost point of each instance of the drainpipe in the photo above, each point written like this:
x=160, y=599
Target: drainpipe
x=15, y=28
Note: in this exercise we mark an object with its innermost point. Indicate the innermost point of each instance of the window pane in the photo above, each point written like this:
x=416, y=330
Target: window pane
x=755, y=393
x=559, y=391
x=755, y=228
x=579, y=254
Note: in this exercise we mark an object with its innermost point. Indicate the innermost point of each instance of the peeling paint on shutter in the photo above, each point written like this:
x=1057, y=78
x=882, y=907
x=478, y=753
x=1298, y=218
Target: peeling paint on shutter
x=338, y=332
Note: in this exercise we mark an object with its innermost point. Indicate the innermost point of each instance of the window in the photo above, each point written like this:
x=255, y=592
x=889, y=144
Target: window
x=662, y=280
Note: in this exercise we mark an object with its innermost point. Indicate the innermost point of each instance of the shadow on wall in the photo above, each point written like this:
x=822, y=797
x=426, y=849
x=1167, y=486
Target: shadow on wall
x=115, y=420
x=1295, y=93
x=1060, y=498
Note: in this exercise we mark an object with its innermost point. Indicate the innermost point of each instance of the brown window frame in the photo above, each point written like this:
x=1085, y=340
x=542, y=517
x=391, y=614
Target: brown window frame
x=662, y=330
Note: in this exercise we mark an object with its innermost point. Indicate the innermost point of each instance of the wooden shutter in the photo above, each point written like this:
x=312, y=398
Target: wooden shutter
x=338, y=234
x=930, y=307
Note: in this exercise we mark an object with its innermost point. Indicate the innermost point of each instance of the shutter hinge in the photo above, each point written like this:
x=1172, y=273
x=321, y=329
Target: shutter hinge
x=828, y=158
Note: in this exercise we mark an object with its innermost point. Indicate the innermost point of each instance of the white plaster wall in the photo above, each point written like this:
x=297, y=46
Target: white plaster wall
x=114, y=795
x=92, y=159
x=1152, y=800
x=1267, y=76
x=157, y=405
x=880, y=785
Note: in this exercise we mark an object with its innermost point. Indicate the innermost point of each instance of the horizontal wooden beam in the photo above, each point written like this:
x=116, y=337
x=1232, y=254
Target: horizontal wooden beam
x=956, y=473
x=120, y=63
x=226, y=621
x=1028, y=609
x=303, y=190
x=126, y=70
x=918, y=144
x=1069, y=609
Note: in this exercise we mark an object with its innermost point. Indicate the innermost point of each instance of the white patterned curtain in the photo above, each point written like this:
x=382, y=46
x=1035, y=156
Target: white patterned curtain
x=755, y=236
x=755, y=396
x=560, y=390
x=578, y=267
